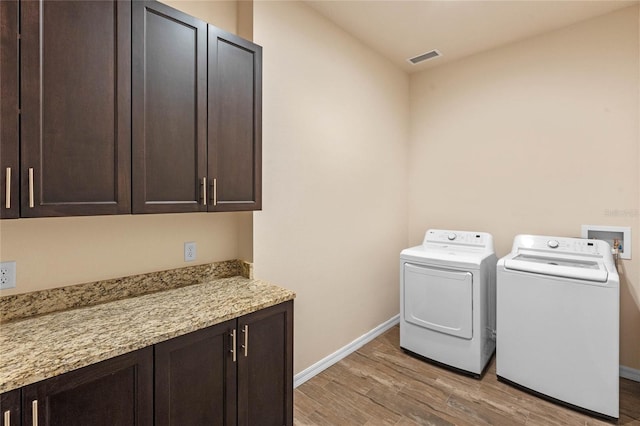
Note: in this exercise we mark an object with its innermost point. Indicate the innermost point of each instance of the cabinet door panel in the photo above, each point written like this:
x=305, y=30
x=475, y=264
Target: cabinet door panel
x=118, y=391
x=196, y=379
x=169, y=125
x=9, y=104
x=265, y=375
x=10, y=402
x=76, y=125
x=235, y=121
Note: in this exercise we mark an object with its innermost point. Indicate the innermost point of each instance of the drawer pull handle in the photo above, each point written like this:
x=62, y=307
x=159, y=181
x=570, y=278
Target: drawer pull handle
x=34, y=412
x=215, y=191
x=204, y=191
x=7, y=418
x=31, y=201
x=233, y=344
x=7, y=197
x=245, y=330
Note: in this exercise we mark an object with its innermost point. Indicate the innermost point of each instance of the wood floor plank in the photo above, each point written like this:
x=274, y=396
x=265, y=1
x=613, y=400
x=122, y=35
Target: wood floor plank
x=364, y=405
x=381, y=385
x=417, y=411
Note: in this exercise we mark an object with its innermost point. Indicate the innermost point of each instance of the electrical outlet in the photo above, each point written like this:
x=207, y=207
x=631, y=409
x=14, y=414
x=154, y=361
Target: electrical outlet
x=189, y=251
x=7, y=275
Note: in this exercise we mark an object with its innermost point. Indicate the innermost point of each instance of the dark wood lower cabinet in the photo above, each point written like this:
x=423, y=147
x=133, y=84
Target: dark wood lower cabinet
x=196, y=378
x=10, y=408
x=201, y=381
x=118, y=391
x=265, y=367
x=239, y=372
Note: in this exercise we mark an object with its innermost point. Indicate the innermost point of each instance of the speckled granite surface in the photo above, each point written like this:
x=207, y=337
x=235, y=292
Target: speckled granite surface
x=93, y=293
x=38, y=348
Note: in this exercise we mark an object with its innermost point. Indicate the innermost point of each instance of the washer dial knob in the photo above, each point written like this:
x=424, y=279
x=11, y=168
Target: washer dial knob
x=553, y=244
x=451, y=236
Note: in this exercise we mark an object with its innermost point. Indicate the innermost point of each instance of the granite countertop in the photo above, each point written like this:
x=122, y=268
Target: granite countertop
x=41, y=347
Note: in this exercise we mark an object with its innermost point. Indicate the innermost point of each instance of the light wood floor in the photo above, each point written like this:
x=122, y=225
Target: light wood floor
x=381, y=385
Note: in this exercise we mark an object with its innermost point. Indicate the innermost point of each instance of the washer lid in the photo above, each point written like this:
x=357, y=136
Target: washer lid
x=581, y=269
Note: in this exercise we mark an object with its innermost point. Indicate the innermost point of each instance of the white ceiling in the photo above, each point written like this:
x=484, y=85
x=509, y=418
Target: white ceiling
x=401, y=29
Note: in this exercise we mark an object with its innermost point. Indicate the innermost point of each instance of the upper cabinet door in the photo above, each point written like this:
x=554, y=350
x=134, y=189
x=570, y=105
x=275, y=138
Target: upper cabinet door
x=75, y=112
x=235, y=122
x=169, y=110
x=9, y=106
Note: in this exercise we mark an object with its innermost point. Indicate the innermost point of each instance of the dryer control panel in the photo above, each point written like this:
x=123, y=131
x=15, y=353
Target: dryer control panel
x=476, y=239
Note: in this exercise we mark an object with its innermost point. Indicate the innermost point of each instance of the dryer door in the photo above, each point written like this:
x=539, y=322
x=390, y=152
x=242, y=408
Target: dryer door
x=439, y=299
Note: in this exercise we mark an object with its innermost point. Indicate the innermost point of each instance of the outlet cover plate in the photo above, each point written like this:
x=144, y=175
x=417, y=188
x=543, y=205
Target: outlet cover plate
x=189, y=251
x=7, y=275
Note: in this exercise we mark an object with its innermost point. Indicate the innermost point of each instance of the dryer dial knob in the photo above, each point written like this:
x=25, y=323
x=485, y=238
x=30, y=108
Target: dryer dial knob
x=553, y=244
x=451, y=236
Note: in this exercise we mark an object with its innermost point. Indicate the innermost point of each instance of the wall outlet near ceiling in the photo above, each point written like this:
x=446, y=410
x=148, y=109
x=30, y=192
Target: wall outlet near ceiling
x=614, y=235
x=189, y=251
x=7, y=275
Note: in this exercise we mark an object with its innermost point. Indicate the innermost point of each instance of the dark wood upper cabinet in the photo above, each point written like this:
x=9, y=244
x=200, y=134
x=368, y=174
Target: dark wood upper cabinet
x=9, y=106
x=169, y=110
x=75, y=108
x=195, y=378
x=118, y=391
x=235, y=122
x=116, y=107
x=265, y=367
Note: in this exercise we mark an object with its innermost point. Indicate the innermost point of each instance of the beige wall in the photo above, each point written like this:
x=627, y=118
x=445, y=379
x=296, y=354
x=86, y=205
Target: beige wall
x=234, y=16
x=55, y=252
x=334, y=198
x=536, y=137
x=221, y=13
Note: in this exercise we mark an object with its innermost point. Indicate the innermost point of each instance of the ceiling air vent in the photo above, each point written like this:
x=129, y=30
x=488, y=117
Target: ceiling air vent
x=425, y=56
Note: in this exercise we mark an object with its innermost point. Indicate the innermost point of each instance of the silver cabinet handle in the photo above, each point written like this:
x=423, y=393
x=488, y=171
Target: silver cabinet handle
x=215, y=191
x=204, y=191
x=31, y=202
x=245, y=330
x=34, y=412
x=233, y=344
x=7, y=193
x=7, y=418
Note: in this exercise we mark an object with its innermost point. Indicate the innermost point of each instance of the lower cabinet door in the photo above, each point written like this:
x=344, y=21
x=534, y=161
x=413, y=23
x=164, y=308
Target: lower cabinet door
x=118, y=391
x=10, y=408
x=265, y=367
x=195, y=378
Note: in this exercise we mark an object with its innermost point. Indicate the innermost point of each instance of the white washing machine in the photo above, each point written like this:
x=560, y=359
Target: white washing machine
x=447, y=299
x=558, y=321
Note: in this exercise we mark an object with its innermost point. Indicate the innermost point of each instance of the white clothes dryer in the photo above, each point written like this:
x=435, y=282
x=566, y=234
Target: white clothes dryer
x=558, y=321
x=447, y=299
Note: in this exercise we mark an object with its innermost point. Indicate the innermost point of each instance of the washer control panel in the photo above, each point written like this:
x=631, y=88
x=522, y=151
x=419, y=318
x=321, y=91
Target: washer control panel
x=478, y=239
x=559, y=244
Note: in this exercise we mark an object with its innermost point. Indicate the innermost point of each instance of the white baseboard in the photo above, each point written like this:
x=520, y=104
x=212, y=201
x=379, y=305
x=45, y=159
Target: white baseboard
x=630, y=373
x=328, y=361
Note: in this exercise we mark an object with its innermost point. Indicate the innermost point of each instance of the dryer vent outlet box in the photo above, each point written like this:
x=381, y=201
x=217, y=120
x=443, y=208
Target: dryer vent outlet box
x=611, y=234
